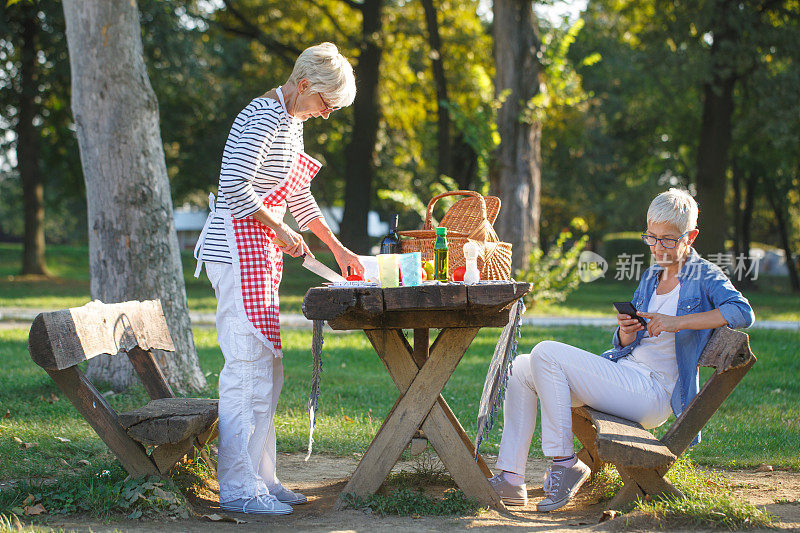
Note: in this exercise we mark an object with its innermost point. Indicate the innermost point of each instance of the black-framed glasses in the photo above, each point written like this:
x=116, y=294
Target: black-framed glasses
x=328, y=109
x=666, y=242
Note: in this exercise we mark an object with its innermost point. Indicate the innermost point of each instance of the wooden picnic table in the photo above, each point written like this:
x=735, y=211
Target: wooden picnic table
x=421, y=371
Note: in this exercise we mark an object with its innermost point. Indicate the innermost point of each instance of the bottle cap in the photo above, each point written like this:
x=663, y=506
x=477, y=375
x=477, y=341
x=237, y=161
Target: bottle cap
x=441, y=230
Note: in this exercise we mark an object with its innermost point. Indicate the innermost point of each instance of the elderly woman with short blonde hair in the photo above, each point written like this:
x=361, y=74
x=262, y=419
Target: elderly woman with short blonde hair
x=265, y=171
x=649, y=373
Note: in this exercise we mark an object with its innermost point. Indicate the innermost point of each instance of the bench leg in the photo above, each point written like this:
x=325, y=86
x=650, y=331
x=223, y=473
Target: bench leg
x=104, y=420
x=167, y=455
x=629, y=493
x=639, y=482
x=584, y=430
x=652, y=483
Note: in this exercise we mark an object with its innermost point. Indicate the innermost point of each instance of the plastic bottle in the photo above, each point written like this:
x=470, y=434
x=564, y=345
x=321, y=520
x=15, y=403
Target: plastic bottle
x=440, y=254
x=471, y=252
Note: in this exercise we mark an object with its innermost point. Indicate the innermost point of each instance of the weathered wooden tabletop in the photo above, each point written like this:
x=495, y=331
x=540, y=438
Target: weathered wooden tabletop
x=421, y=371
x=449, y=305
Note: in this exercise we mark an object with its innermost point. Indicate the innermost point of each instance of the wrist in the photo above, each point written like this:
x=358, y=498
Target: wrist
x=337, y=247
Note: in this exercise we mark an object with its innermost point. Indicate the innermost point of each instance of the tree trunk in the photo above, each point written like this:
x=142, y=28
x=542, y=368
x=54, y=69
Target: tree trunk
x=747, y=213
x=517, y=167
x=464, y=163
x=443, y=133
x=782, y=226
x=30, y=173
x=712, y=163
x=715, y=136
x=742, y=219
x=133, y=247
x=360, y=152
x=737, y=208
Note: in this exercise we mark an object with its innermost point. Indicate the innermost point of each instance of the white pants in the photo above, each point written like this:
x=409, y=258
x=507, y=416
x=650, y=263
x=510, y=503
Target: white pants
x=561, y=376
x=249, y=386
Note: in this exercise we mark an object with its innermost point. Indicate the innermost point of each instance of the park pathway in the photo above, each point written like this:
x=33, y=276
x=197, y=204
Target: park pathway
x=23, y=316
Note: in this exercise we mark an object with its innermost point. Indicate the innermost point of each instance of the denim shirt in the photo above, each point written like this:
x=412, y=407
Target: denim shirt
x=704, y=287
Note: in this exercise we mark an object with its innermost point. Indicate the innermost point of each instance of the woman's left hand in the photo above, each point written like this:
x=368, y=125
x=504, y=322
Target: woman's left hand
x=345, y=258
x=659, y=323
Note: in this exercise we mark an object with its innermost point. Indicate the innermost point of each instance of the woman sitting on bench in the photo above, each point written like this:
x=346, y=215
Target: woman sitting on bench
x=649, y=373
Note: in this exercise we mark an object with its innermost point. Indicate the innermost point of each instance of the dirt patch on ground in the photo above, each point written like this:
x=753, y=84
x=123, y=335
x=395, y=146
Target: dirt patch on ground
x=323, y=478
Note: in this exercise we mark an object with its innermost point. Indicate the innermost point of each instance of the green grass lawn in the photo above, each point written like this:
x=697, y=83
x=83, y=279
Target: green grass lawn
x=70, y=285
x=759, y=423
x=772, y=300
x=70, y=288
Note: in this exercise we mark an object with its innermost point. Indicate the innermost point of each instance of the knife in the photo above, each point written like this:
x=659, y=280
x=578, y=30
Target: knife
x=309, y=263
x=321, y=270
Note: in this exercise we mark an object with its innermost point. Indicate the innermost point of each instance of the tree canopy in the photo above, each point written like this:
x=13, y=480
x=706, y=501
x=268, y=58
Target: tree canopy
x=624, y=108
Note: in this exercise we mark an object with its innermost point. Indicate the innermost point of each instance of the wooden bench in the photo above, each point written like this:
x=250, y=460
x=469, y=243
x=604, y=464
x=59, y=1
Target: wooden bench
x=167, y=426
x=640, y=458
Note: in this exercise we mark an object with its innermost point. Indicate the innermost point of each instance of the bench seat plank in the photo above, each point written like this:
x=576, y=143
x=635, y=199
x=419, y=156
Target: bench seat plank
x=626, y=443
x=169, y=420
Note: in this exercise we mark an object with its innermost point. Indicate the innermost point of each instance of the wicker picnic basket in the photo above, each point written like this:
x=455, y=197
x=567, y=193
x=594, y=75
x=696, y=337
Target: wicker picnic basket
x=470, y=218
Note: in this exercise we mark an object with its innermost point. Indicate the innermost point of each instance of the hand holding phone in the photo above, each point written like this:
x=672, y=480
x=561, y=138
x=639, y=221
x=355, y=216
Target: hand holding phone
x=627, y=308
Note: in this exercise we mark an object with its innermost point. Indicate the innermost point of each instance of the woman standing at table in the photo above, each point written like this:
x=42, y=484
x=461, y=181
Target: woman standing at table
x=648, y=374
x=264, y=171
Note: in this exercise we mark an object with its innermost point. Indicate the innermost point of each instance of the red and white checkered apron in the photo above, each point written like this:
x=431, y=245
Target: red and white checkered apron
x=258, y=262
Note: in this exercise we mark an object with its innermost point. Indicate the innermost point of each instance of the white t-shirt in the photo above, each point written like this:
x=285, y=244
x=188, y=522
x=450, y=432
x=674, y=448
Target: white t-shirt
x=657, y=354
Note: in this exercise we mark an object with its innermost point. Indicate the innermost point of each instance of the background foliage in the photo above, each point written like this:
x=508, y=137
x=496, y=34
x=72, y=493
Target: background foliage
x=621, y=105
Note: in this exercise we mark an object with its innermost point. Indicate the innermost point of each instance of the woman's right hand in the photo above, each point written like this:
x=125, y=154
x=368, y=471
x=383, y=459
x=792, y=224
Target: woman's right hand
x=628, y=327
x=290, y=242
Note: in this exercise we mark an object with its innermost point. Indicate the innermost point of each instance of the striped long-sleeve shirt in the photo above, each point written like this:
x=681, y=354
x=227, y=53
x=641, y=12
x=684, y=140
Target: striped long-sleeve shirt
x=257, y=156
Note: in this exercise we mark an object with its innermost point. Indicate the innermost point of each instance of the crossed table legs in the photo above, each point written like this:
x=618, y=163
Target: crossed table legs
x=420, y=378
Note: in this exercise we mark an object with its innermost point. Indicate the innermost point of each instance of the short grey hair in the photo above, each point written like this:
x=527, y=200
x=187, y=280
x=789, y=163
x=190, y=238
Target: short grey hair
x=676, y=207
x=328, y=73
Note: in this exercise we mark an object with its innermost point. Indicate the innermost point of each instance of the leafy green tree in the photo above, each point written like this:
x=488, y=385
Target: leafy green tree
x=34, y=105
x=685, y=62
x=766, y=160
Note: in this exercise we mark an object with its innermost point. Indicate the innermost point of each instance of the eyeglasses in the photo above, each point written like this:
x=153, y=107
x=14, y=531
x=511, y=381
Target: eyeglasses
x=669, y=243
x=328, y=109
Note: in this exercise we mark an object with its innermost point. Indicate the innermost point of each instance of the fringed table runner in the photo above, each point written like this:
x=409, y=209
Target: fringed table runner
x=316, y=373
x=494, y=387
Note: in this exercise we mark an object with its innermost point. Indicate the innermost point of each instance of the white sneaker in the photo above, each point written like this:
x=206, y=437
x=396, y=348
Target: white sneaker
x=287, y=496
x=265, y=504
x=561, y=484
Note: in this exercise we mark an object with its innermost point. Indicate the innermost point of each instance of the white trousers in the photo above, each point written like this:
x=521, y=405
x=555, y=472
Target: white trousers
x=561, y=376
x=249, y=386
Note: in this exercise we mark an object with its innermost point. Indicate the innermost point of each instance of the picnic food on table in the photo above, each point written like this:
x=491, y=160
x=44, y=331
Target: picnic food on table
x=470, y=219
x=428, y=267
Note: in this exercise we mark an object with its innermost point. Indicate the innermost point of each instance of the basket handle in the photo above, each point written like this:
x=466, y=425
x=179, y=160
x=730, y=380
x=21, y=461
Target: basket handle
x=429, y=213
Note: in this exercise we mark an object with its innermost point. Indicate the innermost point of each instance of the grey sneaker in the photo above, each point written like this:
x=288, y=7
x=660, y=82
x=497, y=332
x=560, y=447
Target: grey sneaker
x=561, y=484
x=265, y=504
x=286, y=496
x=509, y=494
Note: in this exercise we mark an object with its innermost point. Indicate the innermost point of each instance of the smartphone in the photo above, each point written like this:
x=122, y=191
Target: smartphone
x=627, y=308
